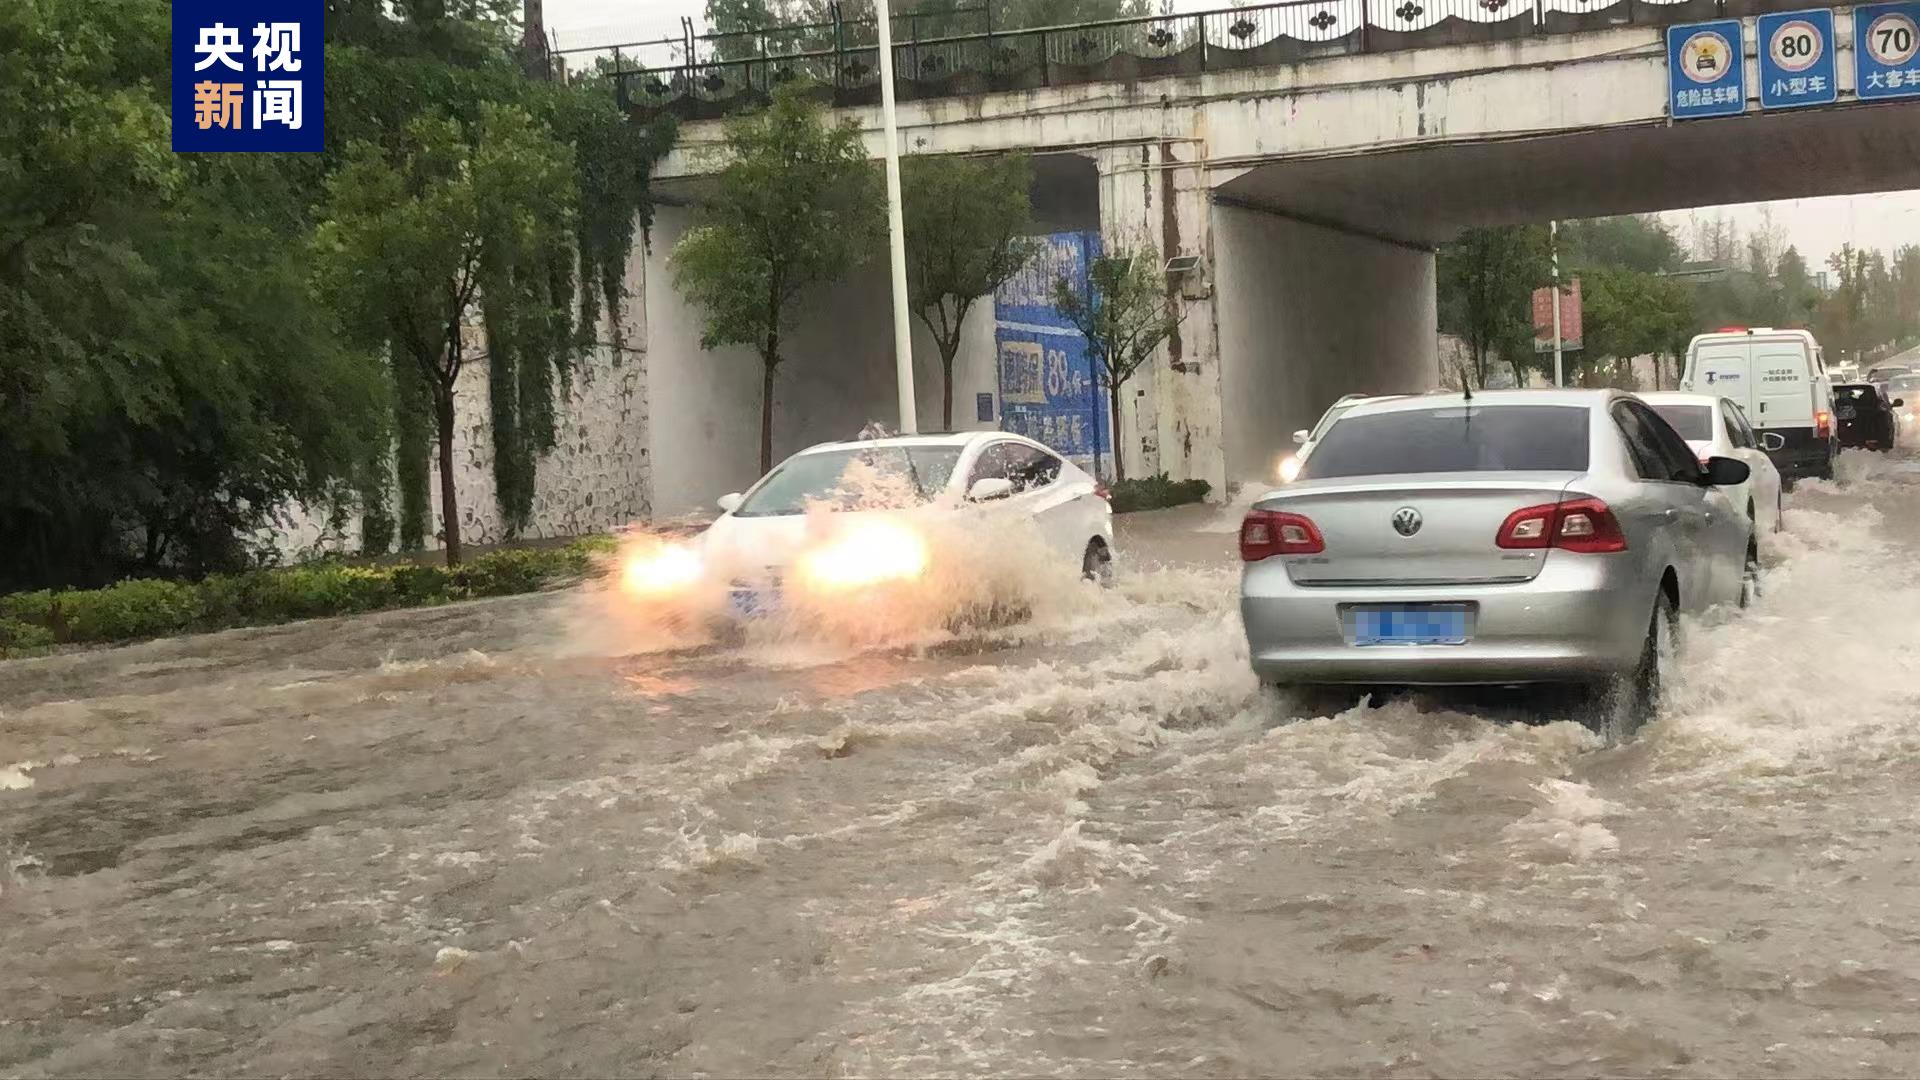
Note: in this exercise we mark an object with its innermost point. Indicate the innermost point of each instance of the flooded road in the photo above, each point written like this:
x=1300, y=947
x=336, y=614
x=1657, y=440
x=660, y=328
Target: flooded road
x=441, y=842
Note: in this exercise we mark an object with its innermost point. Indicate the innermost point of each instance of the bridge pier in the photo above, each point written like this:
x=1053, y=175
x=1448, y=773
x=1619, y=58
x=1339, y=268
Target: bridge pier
x=1307, y=313
x=1156, y=193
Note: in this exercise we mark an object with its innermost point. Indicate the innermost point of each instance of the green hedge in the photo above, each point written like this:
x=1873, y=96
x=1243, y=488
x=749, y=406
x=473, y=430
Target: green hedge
x=128, y=610
x=1154, y=492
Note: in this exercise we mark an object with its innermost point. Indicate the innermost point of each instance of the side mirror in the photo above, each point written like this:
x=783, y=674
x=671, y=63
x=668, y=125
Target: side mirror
x=1772, y=440
x=729, y=502
x=1897, y=402
x=990, y=488
x=1725, y=471
x=1300, y=437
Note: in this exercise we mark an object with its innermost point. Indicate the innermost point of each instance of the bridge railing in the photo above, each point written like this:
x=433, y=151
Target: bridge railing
x=961, y=52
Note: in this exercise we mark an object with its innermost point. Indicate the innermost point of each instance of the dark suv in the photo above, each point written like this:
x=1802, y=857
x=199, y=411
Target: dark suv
x=1865, y=418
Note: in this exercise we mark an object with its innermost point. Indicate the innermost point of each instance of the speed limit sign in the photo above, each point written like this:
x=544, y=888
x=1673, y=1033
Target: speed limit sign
x=1886, y=50
x=1796, y=59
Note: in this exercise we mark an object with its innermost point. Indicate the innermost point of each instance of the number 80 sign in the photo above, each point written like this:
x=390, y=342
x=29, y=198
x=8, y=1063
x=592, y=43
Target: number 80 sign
x=1796, y=59
x=1886, y=50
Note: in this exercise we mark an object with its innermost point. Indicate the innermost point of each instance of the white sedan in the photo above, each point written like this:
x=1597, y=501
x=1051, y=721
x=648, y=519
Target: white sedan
x=839, y=522
x=1715, y=427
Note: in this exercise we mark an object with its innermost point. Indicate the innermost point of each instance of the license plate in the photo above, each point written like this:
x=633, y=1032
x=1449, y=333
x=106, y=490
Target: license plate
x=1845, y=412
x=753, y=603
x=1410, y=624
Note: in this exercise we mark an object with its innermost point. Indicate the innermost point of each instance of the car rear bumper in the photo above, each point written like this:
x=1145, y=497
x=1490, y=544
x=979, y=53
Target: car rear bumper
x=1583, y=618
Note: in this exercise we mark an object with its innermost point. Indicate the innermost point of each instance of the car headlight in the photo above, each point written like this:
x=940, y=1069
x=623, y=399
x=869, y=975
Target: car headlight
x=1289, y=469
x=865, y=553
x=661, y=571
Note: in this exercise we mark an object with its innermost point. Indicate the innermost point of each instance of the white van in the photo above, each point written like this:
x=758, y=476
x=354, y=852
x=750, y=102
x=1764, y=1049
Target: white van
x=1779, y=377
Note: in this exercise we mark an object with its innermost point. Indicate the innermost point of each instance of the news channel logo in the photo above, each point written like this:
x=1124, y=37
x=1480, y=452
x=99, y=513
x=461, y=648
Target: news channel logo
x=249, y=76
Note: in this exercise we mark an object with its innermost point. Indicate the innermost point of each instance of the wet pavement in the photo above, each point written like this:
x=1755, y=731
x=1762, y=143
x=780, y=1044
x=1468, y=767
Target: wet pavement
x=455, y=841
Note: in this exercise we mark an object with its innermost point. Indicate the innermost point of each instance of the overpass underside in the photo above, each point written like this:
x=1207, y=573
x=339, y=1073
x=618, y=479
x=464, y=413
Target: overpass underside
x=1313, y=196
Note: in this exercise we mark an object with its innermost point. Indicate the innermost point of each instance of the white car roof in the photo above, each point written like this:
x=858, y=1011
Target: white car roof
x=945, y=438
x=1678, y=397
x=1426, y=402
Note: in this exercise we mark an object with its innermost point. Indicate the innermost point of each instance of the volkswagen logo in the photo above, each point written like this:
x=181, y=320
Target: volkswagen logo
x=1406, y=521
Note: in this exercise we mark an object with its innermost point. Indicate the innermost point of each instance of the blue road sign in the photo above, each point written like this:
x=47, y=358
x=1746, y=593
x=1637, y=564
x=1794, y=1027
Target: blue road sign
x=1886, y=50
x=248, y=75
x=1706, y=72
x=1796, y=59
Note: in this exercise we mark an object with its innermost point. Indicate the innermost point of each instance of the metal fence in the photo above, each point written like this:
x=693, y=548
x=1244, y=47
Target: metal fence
x=963, y=53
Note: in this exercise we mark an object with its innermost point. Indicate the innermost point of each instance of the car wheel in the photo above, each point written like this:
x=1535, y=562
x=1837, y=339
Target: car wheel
x=1633, y=699
x=1750, y=575
x=1096, y=565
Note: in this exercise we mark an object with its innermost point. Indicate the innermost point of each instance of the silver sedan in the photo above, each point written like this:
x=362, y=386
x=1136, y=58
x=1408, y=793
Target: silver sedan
x=1532, y=536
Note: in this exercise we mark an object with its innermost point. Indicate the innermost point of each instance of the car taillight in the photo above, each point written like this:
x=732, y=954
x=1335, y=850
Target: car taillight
x=1584, y=525
x=1266, y=533
x=1823, y=424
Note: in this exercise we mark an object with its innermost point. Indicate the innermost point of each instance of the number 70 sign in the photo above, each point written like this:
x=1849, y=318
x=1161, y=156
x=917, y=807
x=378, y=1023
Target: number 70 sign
x=1886, y=50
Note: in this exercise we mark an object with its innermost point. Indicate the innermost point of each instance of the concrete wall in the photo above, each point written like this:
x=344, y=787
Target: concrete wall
x=838, y=376
x=1307, y=314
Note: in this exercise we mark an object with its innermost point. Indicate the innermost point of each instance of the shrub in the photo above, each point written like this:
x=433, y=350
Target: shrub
x=32, y=607
x=136, y=609
x=128, y=609
x=306, y=592
x=420, y=584
x=1154, y=492
x=17, y=636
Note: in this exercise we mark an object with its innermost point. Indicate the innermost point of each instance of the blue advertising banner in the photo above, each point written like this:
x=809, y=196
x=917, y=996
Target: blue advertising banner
x=248, y=75
x=1796, y=59
x=1886, y=39
x=1706, y=73
x=1050, y=388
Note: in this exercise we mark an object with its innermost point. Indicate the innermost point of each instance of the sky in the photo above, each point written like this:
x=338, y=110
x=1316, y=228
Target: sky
x=1816, y=226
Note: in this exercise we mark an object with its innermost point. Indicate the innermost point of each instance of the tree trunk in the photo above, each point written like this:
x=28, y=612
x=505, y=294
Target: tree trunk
x=766, y=419
x=449, y=502
x=946, y=390
x=1119, y=455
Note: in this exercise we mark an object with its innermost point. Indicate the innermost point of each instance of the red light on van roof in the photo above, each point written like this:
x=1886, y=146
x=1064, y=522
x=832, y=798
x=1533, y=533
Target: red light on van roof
x=1730, y=330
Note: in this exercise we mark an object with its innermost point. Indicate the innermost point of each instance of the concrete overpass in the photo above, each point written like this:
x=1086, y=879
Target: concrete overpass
x=1313, y=191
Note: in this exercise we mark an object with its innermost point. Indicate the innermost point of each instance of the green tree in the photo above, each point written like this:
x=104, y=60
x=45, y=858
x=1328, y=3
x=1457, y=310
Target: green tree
x=1125, y=313
x=1629, y=313
x=460, y=222
x=966, y=225
x=166, y=380
x=1632, y=242
x=1486, y=282
x=798, y=204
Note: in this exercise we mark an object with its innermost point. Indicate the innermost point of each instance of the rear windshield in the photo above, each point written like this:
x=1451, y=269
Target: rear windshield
x=1856, y=395
x=1693, y=422
x=1454, y=438
x=871, y=478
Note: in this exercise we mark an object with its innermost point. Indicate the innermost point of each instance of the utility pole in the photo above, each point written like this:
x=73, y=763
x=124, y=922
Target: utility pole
x=896, y=229
x=1553, y=246
x=533, y=39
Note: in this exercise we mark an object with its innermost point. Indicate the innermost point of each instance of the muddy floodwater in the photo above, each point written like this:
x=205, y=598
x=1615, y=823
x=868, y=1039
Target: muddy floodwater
x=447, y=842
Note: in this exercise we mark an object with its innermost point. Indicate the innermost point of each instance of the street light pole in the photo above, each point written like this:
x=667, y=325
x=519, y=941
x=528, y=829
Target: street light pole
x=1553, y=244
x=896, y=229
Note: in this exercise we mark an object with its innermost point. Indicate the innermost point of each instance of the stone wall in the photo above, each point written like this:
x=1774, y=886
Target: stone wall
x=598, y=476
